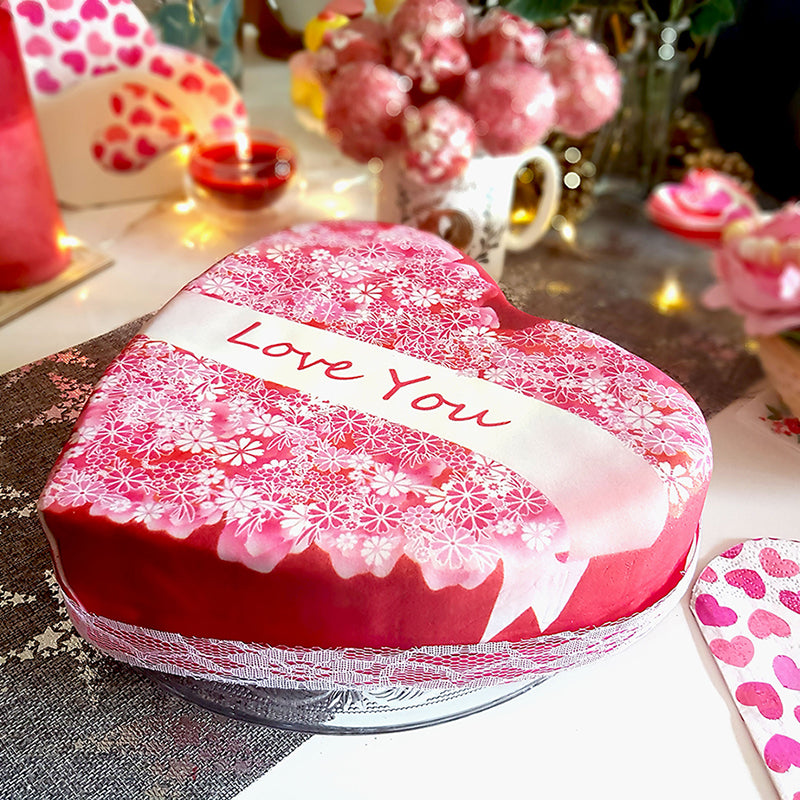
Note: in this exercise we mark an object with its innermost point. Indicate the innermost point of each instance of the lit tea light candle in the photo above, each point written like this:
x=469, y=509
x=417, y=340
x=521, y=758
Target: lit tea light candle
x=33, y=245
x=245, y=170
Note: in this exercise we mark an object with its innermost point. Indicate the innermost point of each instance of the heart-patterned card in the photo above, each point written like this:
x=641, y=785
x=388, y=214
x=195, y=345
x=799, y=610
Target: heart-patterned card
x=344, y=436
x=99, y=60
x=747, y=604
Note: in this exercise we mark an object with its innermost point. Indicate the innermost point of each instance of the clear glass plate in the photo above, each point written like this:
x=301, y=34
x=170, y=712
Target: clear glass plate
x=341, y=711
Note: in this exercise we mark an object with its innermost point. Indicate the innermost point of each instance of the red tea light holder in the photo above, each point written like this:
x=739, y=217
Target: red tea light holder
x=242, y=172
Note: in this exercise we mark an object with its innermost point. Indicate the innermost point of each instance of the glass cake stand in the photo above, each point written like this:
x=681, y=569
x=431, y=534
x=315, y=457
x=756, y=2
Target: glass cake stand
x=344, y=711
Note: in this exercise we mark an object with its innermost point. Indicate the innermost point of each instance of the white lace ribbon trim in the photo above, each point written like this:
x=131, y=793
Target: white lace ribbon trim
x=439, y=667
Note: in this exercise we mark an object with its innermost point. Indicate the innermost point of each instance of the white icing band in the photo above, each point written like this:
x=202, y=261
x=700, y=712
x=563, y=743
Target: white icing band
x=445, y=666
x=611, y=499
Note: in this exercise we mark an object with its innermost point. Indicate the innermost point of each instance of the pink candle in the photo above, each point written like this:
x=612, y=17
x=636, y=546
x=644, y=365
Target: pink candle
x=31, y=231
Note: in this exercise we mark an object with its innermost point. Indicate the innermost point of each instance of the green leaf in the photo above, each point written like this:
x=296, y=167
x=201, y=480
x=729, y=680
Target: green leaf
x=712, y=15
x=538, y=10
x=774, y=413
x=791, y=336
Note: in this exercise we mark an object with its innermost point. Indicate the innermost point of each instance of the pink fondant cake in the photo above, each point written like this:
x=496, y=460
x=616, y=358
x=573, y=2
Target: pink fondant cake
x=341, y=448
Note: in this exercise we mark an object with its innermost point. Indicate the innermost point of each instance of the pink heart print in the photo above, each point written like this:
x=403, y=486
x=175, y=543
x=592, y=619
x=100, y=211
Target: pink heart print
x=744, y=602
x=711, y=612
x=776, y=566
x=763, y=623
x=738, y=652
x=143, y=125
x=762, y=696
x=787, y=672
x=747, y=580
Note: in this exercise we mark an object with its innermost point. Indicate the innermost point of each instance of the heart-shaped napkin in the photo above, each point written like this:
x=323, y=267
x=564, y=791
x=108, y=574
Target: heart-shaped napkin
x=747, y=603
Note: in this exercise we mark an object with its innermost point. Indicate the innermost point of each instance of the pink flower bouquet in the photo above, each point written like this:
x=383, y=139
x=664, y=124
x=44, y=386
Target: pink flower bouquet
x=758, y=272
x=436, y=85
x=758, y=275
x=700, y=206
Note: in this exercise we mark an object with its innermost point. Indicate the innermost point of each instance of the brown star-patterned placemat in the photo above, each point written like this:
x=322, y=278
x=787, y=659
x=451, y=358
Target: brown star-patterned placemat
x=75, y=724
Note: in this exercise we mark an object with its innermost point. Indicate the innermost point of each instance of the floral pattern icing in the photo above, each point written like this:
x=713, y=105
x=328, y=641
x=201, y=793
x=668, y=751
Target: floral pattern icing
x=177, y=442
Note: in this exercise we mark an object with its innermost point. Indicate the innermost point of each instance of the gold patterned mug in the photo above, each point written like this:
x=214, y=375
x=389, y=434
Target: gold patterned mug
x=473, y=211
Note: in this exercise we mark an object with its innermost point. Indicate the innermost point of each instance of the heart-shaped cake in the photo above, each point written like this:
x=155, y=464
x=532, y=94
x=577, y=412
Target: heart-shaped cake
x=341, y=457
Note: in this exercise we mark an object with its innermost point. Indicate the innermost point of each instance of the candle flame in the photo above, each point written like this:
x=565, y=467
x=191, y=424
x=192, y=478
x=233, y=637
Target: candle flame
x=67, y=242
x=670, y=297
x=184, y=206
x=244, y=149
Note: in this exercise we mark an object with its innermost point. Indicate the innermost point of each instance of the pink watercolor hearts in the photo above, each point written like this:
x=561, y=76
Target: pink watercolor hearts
x=93, y=9
x=59, y=5
x=160, y=67
x=123, y=26
x=708, y=575
x=776, y=566
x=710, y=612
x=130, y=56
x=121, y=163
x=747, y=580
x=732, y=552
x=781, y=752
x=76, y=60
x=761, y=695
x=786, y=672
x=116, y=133
x=192, y=82
x=763, y=623
x=790, y=599
x=66, y=30
x=145, y=147
x=32, y=10
x=171, y=126
x=738, y=652
x=141, y=116
x=97, y=45
x=38, y=46
x=45, y=82
x=220, y=92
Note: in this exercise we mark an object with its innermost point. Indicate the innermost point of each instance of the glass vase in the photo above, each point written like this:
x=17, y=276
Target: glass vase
x=633, y=148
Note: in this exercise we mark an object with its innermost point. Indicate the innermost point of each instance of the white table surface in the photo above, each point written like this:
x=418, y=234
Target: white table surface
x=654, y=721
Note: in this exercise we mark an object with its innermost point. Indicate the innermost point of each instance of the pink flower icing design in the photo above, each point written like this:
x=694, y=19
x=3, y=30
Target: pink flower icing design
x=342, y=469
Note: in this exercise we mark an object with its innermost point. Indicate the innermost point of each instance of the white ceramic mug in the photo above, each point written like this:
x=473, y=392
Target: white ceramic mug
x=473, y=211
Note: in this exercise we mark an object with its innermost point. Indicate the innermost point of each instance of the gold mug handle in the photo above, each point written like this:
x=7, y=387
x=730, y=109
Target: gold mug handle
x=527, y=236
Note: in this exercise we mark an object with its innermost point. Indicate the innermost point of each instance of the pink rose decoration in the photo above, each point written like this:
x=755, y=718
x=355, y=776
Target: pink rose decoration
x=700, y=206
x=758, y=272
x=588, y=85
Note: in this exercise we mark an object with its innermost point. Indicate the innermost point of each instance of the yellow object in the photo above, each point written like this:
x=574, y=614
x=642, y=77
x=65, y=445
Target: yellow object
x=307, y=92
x=386, y=6
x=317, y=27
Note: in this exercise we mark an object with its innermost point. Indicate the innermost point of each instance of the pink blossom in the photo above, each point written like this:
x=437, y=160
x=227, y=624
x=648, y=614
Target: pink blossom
x=758, y=272
x=441, y=141
x=501, y=34
x=513, y=104
x=700, y=206
x=587, y=83
x=366, y=126
x=362, y=39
